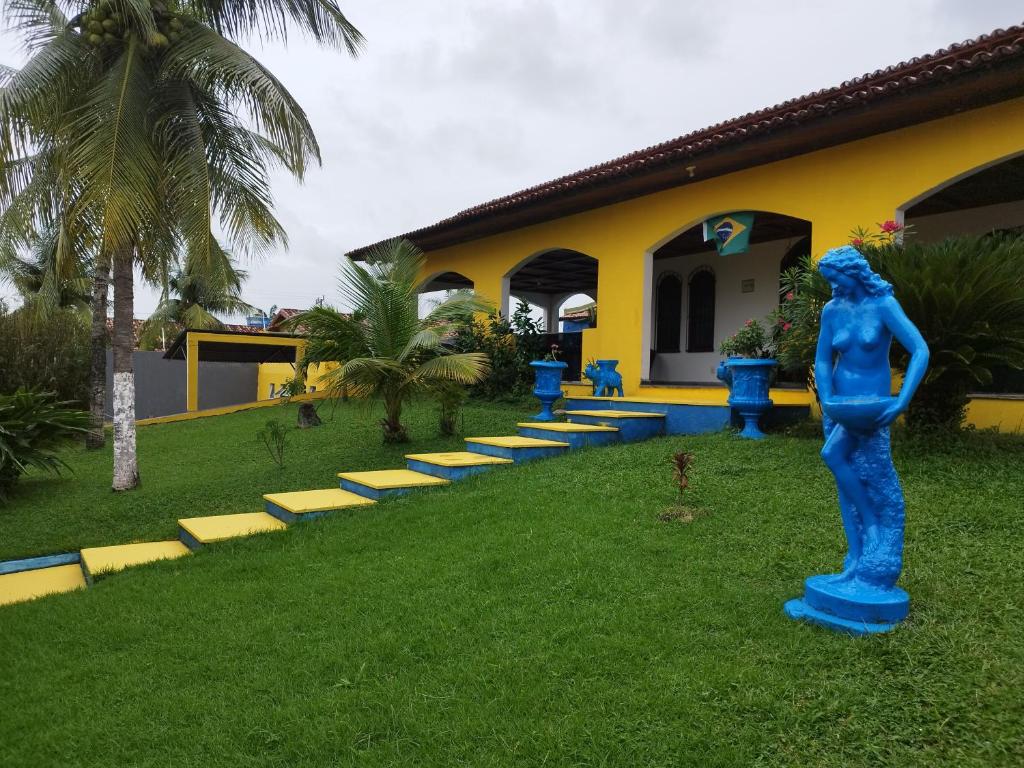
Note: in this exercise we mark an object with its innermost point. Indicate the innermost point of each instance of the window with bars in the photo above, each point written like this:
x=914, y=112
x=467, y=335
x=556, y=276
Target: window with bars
x=700, y=325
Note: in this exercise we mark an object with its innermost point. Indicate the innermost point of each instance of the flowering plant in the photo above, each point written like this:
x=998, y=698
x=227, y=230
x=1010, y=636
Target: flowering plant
x=552, y=355
x=749, y=341
x=889, y=231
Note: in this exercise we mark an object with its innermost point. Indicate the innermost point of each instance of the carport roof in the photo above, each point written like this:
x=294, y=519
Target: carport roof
x=237, y=346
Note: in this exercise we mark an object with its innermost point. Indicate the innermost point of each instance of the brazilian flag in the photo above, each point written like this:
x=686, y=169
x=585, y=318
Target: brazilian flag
x=731, y=232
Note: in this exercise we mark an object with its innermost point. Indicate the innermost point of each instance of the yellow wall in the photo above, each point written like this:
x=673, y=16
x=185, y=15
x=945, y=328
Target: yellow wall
x=836, y=189
x=279, y=374
x=1005, y=414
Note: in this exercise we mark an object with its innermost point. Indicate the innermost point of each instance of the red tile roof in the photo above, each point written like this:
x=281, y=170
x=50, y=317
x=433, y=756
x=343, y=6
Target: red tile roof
x=971, y=56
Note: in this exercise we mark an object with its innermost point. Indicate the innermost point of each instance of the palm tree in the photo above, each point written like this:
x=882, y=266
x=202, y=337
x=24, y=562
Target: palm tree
x=160, y=129
x=387, y=352
x=193, y=294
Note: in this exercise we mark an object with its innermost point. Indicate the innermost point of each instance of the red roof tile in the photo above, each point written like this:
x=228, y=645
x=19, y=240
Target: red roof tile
x=960, y=59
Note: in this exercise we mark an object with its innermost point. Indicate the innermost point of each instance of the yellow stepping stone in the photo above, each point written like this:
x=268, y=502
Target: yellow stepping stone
x=457, y=459
x=386, y=479
x=516, y=441
x=562, y=426
x=27, y=585
x=610, y=414
x=206, y=530
x=97, y=560
x=322, y=500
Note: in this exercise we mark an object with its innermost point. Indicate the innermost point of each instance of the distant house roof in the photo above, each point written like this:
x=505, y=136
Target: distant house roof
x=136, y=329
x=964, y=76
x=282, y=316
x=578, y=314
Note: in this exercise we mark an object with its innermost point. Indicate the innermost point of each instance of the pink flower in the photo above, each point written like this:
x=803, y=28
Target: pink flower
x=890, y=226
x=749, y=323
x=786, y=326
x=789, y=296
x=857, y=242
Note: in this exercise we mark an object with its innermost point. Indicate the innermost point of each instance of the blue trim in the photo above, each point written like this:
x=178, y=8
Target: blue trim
x=517, y=455
x=378, y=493
x=285, y=516
x=631, y=430
x=448, y=473
x=35, y=563
x=188, y=539
x=800, y=610
x=575, y=440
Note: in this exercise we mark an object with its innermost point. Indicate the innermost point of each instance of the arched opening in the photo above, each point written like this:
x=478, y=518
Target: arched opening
x=989, y=200
x=550, y=280
x=435, y=288
x=668, y=307
x=718, y=294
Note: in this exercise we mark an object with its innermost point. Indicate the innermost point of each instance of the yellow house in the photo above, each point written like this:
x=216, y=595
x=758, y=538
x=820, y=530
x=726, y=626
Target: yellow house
x=936, y=142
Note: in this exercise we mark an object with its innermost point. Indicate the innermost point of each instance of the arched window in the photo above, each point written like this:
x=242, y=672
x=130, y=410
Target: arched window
x=670, y=313
x=700, y=326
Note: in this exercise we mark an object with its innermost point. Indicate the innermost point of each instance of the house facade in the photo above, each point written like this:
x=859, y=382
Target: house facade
x=936, y=143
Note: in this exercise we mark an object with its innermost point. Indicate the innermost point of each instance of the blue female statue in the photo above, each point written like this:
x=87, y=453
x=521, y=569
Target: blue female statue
x=854, y=384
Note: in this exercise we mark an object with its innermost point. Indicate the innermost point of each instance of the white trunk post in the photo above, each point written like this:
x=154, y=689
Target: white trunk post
x=126, y=467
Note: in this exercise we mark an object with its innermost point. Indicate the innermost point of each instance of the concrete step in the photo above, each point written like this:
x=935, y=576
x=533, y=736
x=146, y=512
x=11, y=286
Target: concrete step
x=516, y=447
x=27, y=585
x=632, y=425
x=99, y=560
x=576, y=435
x=453, y=465
x=387, y=482
x=308, y=505
x=197, y=531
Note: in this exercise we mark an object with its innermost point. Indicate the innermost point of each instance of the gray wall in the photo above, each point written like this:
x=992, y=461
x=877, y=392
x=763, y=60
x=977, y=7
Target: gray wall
x=160, y=384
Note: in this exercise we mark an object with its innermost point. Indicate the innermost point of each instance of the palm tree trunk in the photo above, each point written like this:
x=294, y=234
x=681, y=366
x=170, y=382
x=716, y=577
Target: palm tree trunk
x=98, y=365
x=126, y=466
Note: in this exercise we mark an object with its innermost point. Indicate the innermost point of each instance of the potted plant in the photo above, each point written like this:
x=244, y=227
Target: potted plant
x=747, y=372
x=548, y=382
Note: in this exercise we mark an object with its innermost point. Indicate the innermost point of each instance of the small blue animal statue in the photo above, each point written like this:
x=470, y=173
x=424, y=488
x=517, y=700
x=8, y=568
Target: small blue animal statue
x=607, y=381
x=854, y=382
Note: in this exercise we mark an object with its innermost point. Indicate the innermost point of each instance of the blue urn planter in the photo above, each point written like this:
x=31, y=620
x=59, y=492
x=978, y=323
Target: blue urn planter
x=548, y=385
x=748, y=380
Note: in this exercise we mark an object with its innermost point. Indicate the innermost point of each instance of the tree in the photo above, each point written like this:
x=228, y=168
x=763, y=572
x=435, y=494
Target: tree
x=385, y=350
x=159, y=129
x=193, y=295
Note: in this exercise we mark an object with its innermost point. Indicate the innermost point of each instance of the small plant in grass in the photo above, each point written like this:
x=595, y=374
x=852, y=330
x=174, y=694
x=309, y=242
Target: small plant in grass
x=681, y=462
x=33, y=425
x=275, y=437
x=451, y=396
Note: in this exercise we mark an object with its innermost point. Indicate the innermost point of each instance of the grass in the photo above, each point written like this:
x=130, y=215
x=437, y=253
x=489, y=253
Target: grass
x=536, y=615
x=213, y=466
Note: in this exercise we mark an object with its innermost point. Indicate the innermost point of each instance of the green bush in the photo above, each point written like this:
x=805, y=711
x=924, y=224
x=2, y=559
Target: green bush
x=965, y=294
x=47, y=351
x=510, y=345
x=33, y=425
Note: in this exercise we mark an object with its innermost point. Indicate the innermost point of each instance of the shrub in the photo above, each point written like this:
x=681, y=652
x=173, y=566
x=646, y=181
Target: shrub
x=33, y=425
x=45, y=351
x=510, y=345
x=966, y=296
x=749, y=341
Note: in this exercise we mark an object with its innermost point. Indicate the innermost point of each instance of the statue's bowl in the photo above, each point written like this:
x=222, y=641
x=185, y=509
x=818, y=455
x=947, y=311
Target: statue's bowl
x=857, y=412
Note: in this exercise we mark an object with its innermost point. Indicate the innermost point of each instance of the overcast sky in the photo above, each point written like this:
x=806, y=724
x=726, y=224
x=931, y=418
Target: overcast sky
x=455, y=102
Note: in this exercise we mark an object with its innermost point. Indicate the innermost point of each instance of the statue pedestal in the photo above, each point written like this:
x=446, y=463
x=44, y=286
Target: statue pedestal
x=851, y=605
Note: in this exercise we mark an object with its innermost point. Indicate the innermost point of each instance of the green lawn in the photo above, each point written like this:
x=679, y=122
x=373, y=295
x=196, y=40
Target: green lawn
x=536, y=615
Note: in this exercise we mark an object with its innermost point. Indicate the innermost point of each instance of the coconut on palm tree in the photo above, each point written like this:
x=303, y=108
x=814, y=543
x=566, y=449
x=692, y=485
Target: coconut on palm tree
x=385, y=350
x=158, y=128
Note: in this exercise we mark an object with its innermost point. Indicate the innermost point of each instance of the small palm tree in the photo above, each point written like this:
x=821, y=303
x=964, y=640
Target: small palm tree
x=386, y=350
x=193, y=295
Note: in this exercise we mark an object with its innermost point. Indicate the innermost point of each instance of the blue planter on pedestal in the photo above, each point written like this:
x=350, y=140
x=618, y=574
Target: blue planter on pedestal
x=548, y=386
x=748, y=380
